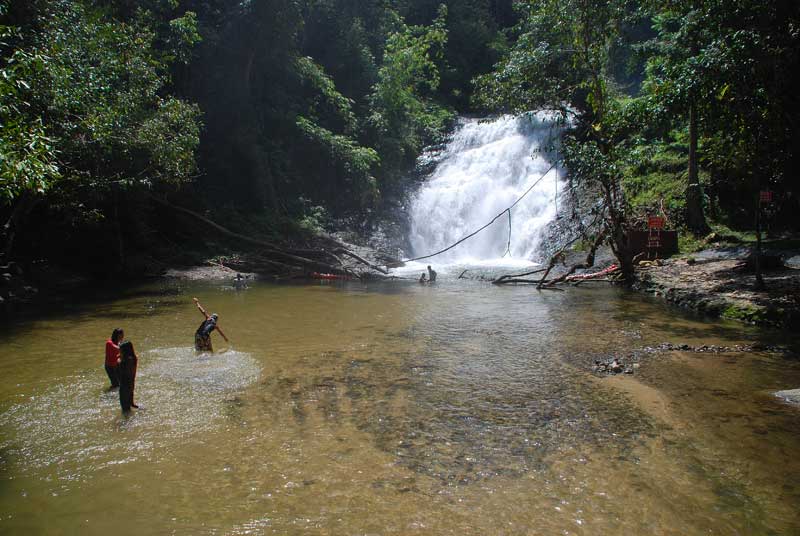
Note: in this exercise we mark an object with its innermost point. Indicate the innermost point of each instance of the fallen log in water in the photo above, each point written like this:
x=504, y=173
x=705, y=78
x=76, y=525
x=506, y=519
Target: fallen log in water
x=514, y=278
x=515, y=281
x=599, y=280
x=584, y=265
x=586, y=277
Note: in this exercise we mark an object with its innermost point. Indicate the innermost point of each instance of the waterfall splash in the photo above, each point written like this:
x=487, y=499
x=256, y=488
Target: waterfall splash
x=485, y=168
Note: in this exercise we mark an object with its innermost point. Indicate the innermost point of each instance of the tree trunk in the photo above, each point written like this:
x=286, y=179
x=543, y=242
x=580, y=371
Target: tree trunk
x=617, y=234
x=695, y=218
x=759, y=277
x=24, y=205
x=118, y=233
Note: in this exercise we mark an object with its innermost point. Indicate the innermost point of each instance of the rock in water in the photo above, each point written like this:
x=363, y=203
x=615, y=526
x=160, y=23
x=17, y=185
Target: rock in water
x=791, y=395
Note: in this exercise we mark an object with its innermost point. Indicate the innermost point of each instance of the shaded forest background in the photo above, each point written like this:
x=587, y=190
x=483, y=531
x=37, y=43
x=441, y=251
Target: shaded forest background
x=276, y=117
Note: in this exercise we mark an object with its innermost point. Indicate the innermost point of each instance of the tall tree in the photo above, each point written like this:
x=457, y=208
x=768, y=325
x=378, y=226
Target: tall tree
x=560, y=62
x=723, y=66
x=403, y=113
x=95, y=93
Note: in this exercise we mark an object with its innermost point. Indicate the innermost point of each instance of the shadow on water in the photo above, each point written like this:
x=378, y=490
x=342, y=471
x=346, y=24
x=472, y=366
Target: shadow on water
x=141, y=301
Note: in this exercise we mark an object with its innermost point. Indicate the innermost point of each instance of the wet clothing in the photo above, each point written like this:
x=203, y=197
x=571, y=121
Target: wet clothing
x=207, y=327
x=112, y=355
x=202, y=337
x=431, y=275
x=113, y=375
x=127, y=381
x=202, y=344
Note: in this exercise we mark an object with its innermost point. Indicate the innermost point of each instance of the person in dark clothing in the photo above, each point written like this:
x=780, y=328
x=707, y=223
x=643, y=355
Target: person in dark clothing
x=127, y=376
x=202, y=337
x=431, y=275
x=239, y=282
x=112, y=357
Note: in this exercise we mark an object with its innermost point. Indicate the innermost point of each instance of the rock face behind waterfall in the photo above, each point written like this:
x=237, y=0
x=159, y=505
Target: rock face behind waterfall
x=485, y=168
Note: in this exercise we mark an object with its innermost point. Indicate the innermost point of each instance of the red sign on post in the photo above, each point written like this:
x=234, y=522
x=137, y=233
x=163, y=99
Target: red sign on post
x=765, y=196
x=655, y=222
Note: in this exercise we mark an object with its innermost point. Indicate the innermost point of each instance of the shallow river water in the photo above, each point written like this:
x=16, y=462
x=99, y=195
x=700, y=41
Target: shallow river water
x=457, y=408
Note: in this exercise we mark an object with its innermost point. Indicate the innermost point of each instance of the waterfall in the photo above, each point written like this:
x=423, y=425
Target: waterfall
x=486, y=166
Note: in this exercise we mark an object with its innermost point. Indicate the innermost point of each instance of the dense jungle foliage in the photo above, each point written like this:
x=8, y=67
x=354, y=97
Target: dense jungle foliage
x=273, y=116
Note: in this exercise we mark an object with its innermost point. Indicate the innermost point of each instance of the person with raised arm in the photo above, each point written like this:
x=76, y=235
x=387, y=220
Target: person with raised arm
x=202, y=337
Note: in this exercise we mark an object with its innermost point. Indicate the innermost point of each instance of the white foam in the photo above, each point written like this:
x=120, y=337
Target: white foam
x=485, y=168
x=75, y=424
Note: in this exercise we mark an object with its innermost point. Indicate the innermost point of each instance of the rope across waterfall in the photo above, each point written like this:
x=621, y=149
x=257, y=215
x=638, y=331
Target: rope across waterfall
x=507, y=210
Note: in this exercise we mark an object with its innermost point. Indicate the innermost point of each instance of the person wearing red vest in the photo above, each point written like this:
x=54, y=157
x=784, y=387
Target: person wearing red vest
x=112, y=356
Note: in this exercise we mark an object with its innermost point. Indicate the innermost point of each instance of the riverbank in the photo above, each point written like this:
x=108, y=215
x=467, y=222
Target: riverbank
x=716, y=282
x=26, y=287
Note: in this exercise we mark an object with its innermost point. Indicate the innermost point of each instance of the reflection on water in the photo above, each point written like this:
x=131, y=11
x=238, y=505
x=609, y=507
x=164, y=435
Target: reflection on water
x=458, y=408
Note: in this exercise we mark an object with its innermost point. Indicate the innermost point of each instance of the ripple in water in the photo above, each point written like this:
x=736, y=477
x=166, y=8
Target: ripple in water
x=179, y=393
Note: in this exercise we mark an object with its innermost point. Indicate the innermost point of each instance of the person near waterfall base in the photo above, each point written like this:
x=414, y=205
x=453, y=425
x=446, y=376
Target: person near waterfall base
x=202, y=337
x=239, y=282
x=112, y=357
x=431, y=274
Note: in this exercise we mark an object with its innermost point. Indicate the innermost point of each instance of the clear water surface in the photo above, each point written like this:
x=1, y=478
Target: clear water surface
x=458, y=408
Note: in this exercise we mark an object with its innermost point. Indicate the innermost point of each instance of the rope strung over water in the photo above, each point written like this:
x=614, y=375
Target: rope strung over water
x=507, y=209
x=508, y=246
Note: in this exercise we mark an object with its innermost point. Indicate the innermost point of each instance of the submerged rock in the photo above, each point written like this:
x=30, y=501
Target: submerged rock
x=791, y=395
x=612, y=366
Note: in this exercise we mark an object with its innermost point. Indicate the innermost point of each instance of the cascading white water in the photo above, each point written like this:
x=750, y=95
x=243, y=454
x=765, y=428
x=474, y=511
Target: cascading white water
x=485, y=168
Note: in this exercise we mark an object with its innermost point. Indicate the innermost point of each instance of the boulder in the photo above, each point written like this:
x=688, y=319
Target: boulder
x=791, y=395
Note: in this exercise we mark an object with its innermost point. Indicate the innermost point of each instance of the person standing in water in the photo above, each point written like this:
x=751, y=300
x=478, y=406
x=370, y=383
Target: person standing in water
x=128, y=364
x=202, y=337
x=112, y=357
x=431, y=274
x=239, y=282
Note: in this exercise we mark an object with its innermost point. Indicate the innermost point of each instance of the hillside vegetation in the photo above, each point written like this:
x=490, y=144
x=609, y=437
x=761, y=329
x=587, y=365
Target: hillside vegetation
x=275, y=117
